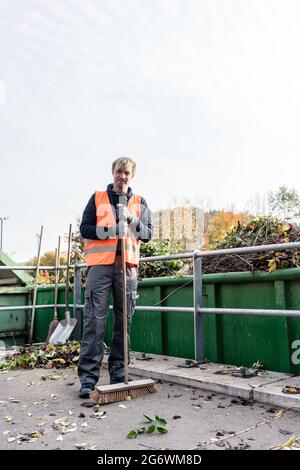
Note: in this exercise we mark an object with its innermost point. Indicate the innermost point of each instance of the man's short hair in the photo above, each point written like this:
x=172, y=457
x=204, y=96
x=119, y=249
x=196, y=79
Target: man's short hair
x=124, y=161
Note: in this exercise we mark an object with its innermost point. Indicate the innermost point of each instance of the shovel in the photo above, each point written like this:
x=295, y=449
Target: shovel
x=65, y=327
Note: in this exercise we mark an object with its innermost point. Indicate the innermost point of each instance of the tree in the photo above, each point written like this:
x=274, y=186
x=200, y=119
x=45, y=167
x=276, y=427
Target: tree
x=219, y=223
x=47, y=259
x=284, y=203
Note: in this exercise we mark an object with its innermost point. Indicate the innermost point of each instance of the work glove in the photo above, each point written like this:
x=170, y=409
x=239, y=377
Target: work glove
x=124, y=214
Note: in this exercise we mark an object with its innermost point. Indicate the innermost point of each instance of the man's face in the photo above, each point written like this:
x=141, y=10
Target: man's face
x=122, y=177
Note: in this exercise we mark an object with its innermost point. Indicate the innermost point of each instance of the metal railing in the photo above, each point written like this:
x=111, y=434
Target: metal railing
x=198, y=310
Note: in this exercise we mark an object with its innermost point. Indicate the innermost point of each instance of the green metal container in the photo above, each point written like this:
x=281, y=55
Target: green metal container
x=228, y=339
x=15, y=290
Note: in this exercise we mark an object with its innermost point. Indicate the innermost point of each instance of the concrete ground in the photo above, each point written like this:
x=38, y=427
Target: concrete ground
x=40, y=409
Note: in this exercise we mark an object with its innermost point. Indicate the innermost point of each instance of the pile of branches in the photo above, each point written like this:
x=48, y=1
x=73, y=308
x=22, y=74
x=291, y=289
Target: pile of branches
x=262, y=230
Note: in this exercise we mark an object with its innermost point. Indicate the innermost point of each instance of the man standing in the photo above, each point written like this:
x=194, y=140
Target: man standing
x=108, y=216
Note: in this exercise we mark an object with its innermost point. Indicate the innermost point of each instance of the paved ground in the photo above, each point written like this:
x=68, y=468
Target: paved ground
x=262, y=386
x=39, y=412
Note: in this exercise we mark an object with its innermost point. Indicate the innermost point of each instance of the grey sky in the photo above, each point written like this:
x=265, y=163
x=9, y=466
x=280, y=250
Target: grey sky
x=203, y=94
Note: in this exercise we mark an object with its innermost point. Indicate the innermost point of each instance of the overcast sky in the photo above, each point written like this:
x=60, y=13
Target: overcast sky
x=203, y=94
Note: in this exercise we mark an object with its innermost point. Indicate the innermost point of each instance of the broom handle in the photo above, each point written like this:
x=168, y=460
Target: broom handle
x=57, y=258
x=125, y=326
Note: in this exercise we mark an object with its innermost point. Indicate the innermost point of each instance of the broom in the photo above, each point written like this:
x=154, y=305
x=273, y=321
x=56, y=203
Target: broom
x=136, y=388
x=55, y=320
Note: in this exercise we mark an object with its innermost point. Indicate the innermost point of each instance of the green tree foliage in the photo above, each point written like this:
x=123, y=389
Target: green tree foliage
x=159, y=268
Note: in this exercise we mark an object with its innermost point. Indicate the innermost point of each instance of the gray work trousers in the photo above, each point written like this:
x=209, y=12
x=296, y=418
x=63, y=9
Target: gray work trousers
x=101, y=280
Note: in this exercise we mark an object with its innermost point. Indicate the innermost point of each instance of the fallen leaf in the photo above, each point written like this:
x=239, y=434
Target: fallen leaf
x=11, y=439
x=69, y=430
x=8, y=419
x=279, y=413
x=289, y=442
x=285, y=432
x=87, y=404
x=60, y=438
x=291, y=389
x=6, y=432
x=220, y=444
x=36, y=434
x=63, y=421
x=81, y=445
x=51, y=377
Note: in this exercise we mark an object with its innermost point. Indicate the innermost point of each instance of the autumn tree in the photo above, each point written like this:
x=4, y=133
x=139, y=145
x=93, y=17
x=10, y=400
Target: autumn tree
x=220, y=223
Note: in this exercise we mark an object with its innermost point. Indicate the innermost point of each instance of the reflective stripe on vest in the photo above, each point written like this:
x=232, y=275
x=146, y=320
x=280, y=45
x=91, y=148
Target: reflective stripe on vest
x=104, y=251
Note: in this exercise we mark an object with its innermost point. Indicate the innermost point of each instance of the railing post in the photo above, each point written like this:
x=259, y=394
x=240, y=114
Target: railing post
x=77, y=301
x=198, y=320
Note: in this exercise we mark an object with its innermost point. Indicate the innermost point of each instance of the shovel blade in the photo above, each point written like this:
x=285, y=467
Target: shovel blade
x=63, y=331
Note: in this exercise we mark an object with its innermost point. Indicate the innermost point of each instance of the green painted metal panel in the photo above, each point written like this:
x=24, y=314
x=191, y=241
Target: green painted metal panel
x=247, y=339
x=211, y=325
x=13, y=320
x=147, y=328
x=178, y=339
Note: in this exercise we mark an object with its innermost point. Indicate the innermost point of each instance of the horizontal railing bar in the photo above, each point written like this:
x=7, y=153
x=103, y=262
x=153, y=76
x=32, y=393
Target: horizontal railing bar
x=29, y=307
x=250, y=311
x=13, y=333
x=198, y=253
x=33, y=268
x=226, y=251
x=222, y=311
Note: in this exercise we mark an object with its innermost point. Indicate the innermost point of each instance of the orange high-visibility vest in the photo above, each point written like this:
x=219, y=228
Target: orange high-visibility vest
x=103, y=251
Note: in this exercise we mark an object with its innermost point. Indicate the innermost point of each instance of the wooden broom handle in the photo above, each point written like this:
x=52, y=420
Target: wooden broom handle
x=125, y=323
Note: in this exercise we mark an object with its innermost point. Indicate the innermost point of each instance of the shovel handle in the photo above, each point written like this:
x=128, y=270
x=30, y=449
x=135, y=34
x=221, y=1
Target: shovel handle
x=68, y=269
x=35, y=287
x=57, y=259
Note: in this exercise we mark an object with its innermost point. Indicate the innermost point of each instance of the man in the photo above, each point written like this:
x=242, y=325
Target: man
x=108, y=216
